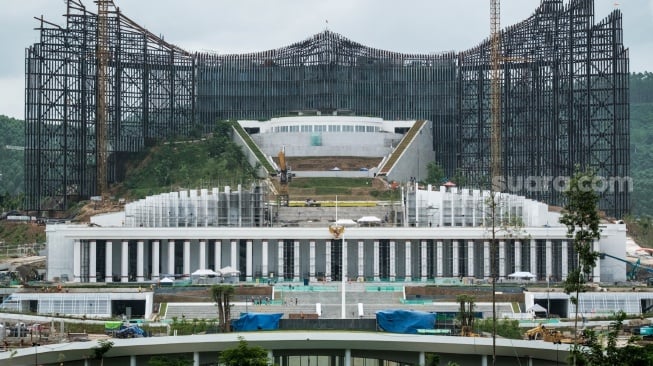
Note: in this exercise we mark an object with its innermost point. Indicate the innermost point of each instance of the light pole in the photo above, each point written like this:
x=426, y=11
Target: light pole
x=36, y=353
x=548, y=296
x=342, y=275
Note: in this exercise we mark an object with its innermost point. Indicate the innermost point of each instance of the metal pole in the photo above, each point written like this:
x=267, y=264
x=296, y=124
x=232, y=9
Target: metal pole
x=342, y=275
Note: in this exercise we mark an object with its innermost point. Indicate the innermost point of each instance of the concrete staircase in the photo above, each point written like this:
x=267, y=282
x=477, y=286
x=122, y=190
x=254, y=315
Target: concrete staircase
x=299, y=300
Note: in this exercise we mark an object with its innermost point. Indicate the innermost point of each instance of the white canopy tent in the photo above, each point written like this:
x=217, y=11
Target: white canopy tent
x=345, y=222
x=369, y=221
x=229, y=271
x=522, y=276
x=205, y=273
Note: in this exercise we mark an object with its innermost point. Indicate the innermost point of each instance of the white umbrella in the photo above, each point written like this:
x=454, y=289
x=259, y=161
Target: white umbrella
x=522, y=275
x=205, y=272
x=229, y=271
x=345, y=222
x=167, y=280
x=369, y=219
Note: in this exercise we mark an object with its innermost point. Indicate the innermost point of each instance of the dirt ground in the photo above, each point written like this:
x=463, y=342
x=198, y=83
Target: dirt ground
x=326, y=163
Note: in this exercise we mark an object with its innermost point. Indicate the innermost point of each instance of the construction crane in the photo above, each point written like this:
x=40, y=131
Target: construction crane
x=495, y=94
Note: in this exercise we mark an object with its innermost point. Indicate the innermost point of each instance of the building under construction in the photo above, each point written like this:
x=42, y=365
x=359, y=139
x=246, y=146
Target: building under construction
x=101, y=86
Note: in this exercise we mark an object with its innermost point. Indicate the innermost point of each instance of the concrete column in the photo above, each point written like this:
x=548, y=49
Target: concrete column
x=422, y=359
x=424, y=261
x=484, y=360
x=249, y=260
x=140, y=260
x=156, y=260
x=438, y=251
x=564, y=260
x=92, y=261
x=470, y=259
x=296, y=263
x=347, y=357
x=281, y=275
x=486, y=260
x=202, y=258
x=311, y=260
x=196, y=359
x=377, y=275
x=454, y=258
x=327, y=270
x=171, y=257
x=549, y=259
x=270, y=357
x=596, y=273
x=264, y=258
x=132, y=360
x=345, y=262
x=517, y=256
x=409, y=262
x=77, y=261
x=393, y=264
x=217, y=254
x=234, y=255
x=124, y=263
x=187, y=258
x=361, y=259
x=108, y=260
x=502, y=259
x=533, y=257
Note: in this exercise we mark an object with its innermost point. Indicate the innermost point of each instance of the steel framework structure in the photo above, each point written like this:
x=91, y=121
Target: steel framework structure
x=564, y=102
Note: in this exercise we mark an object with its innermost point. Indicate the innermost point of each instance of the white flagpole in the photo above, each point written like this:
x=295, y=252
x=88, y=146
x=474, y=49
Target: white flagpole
x=343, y=314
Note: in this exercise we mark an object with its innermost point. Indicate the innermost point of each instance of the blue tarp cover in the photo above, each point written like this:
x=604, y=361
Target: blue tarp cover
x=404, y=321
x=256, y=321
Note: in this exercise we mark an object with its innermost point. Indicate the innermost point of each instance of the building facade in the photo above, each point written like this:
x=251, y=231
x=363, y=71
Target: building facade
x=174, y=235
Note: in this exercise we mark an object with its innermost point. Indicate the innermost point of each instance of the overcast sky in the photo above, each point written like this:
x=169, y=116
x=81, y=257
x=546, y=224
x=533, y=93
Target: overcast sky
x=234, y=26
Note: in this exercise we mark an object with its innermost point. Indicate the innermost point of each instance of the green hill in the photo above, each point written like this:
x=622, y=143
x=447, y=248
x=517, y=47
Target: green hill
x=12, y=139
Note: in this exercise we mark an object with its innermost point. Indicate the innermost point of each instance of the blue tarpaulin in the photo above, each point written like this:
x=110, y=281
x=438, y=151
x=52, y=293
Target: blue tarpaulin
x=404, y=321
x=256, y=321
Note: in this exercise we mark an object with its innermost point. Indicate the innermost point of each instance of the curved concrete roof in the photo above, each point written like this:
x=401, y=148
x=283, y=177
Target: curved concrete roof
x=305, y=341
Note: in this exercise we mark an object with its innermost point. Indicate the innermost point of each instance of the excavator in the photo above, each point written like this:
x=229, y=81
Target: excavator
x=551, y=335
x=546, y=334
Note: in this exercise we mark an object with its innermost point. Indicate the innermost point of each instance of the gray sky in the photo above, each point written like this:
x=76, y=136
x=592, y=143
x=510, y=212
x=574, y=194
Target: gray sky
x=234, y=26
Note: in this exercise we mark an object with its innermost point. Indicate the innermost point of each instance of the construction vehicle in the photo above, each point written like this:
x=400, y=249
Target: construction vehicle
x=636, y=266
x=547, y=334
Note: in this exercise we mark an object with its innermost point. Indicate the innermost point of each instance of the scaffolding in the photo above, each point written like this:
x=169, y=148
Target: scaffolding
x=565, y=102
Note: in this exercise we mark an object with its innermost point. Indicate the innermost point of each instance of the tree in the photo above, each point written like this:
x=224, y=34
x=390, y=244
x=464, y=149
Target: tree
x=434, y=173
x=596, y=354
x=580, y=216
x=500, y=225
x=244, y=355
x=103, y=346
x=168, y=360
x=466, y=314
x=221, y=294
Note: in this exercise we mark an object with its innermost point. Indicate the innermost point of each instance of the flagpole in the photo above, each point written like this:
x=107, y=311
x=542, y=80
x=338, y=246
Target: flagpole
x=343, y=314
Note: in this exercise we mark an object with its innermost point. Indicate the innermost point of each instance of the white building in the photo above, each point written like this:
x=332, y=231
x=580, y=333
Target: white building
x=456, y=244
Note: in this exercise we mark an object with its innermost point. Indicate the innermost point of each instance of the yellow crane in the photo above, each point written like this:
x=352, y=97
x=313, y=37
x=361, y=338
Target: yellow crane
x=495, y=93
x=101, y=93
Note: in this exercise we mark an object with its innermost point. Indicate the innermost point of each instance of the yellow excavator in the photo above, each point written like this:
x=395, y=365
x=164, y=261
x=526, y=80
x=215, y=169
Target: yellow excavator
x=549, y=335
